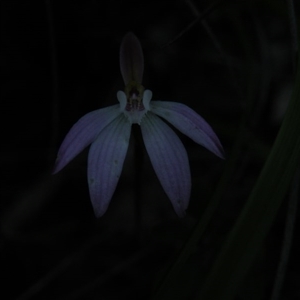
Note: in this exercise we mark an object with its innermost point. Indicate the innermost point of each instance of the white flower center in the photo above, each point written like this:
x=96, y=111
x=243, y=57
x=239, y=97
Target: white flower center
x=135, y=102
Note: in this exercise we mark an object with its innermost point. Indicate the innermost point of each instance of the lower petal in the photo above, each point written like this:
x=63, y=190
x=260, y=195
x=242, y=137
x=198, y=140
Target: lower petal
x=169, y=159
x=105, y=162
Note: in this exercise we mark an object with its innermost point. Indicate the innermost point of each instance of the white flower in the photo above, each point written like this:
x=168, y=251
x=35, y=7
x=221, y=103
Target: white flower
x=108, y=131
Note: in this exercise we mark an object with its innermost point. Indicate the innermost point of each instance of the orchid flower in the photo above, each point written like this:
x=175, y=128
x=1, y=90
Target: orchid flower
x=108, y=131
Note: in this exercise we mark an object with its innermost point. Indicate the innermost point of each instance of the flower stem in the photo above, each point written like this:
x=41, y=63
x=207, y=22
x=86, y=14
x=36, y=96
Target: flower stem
x=138, y=165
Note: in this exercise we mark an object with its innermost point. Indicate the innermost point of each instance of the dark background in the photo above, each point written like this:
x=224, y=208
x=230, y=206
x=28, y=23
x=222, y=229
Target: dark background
x=60, y=60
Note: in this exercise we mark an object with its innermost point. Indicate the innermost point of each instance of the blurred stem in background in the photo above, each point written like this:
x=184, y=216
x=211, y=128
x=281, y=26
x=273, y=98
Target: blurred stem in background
x=294, y=194
x=288, y=237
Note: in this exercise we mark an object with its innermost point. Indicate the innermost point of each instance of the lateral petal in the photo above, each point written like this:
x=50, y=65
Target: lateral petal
x=83, y=133
x=190, y=123
x=169, y=159
x=105, y=162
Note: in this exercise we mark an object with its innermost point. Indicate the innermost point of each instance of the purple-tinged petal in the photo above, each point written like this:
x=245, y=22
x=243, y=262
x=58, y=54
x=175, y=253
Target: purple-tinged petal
x=105, y=162
x=131, y=59
x=190, y=123
x=169, y=159
x=83, y=133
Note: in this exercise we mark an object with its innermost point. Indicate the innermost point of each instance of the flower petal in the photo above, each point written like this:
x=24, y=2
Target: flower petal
x=190, y=123
x=147, y=96
x=131, y=59
x=105, y=162
x=169, y=159
x=83, y=133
